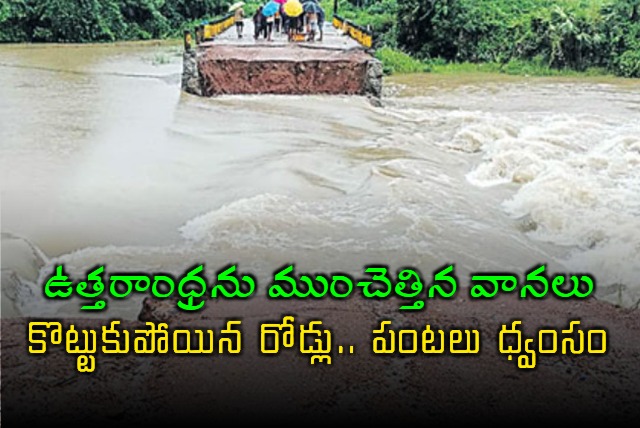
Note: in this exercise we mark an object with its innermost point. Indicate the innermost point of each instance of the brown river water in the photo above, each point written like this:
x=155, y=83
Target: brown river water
x=105, y=161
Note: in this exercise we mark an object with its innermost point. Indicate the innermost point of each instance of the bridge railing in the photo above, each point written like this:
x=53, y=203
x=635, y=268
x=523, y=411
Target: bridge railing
x=214, y=28
x=355, y=31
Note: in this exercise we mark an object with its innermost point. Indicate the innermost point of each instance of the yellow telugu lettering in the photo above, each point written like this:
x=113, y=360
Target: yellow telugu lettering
x=39, y=328
x=86, y=363
x=273, y=330
x=573, y=342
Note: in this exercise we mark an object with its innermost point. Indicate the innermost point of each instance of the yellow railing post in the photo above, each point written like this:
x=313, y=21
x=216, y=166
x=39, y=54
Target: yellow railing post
x=364, y=37
x=187, y=40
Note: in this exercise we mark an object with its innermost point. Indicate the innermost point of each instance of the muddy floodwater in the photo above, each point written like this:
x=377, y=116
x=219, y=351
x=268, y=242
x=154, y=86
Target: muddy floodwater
x=104, y=161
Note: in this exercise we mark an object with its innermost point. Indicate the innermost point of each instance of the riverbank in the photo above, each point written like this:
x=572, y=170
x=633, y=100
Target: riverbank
x=396, y=62
x=408, y=85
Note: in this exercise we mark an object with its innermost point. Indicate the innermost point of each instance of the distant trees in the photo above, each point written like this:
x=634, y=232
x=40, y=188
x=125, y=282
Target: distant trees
x=574, y=34
x=99, y=20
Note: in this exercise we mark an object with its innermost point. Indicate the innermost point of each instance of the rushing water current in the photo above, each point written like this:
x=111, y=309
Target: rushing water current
x=105, y=161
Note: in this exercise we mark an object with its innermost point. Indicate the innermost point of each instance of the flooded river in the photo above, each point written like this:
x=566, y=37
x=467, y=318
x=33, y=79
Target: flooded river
x=105, y=161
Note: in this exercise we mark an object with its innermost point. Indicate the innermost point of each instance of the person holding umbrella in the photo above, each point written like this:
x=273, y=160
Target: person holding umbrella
x=314, y=6
x=311, y=9
x=294, y=10
x=269, y=11
x=238, y=17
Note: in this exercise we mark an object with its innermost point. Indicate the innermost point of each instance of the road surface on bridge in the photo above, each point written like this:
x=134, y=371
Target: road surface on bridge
x=332, y=39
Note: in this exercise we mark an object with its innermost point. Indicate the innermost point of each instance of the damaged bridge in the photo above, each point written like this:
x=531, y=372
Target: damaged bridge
x=218, y=62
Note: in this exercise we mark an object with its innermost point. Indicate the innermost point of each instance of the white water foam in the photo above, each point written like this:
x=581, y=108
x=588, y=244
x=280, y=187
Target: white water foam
x=578, y=178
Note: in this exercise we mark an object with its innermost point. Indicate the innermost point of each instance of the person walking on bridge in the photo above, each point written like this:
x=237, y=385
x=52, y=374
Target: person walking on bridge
x=238, y=18
x=285, y=21
x=312, y=25
x=278, y=22
x=269, y=26
x=257, y=23
x=321, y=18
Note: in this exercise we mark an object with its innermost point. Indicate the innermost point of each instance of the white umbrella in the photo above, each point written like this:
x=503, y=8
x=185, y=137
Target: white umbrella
x=235, y=6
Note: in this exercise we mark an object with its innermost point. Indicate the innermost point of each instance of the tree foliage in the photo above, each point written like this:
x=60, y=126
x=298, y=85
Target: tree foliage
x=561, y=34
x=575, y=34
x=99, y=20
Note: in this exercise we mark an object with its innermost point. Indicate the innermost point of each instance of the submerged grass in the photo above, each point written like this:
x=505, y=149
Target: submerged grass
x=398, y=62
x=515, y=68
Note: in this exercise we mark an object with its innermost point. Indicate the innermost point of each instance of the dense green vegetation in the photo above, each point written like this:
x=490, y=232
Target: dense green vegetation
x=528, y=36
x=532, y=35
x=396, y=61
x=100, y=20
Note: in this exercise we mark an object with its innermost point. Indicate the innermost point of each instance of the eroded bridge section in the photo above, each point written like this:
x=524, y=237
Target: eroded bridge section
x=227, y=64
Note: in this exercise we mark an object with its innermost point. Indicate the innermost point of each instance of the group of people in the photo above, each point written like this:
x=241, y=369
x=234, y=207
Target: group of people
x=308, y=23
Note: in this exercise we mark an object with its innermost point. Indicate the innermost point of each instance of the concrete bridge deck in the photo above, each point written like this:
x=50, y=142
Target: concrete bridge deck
x=331, y=39
x=231, y=65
